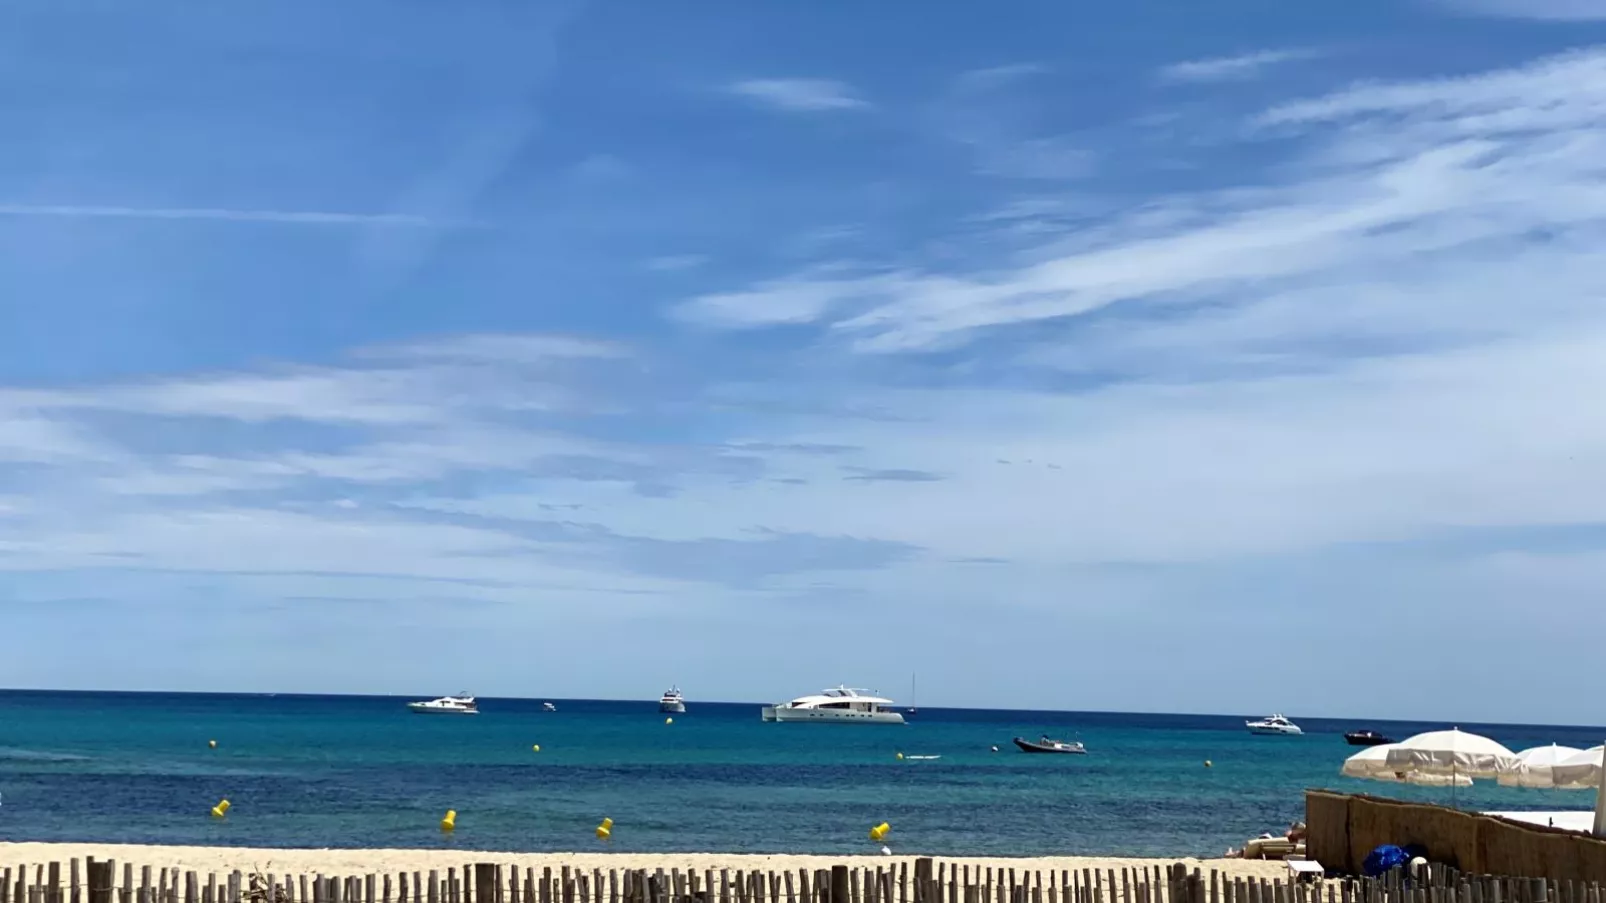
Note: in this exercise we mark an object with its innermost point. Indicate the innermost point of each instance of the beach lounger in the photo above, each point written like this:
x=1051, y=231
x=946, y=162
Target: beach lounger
x=1271, y=848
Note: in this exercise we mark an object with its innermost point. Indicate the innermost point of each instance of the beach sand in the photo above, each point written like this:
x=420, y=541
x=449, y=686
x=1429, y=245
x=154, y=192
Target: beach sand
x=222, y=860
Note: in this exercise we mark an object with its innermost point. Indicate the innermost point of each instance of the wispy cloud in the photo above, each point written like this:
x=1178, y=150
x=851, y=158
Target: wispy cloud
x=891, y=475
x=1001, y=122
x=1229, y=68
x=800, y=95
x=285, y=217
x=997, y=76
x=1410, y=174
x=499, y=348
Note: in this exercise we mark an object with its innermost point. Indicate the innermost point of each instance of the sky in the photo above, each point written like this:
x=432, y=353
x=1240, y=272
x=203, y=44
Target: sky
x=1234, y=357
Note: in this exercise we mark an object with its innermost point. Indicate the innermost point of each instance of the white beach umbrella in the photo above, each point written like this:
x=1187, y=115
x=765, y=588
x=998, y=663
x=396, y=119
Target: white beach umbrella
x=1579, y=771
x=1453, y=752
x=1586, y=770
x=1535, y=767
x=1372, y=764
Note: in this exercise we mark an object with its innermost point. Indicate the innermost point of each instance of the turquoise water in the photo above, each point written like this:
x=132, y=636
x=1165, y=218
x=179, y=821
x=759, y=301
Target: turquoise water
x=331, y=771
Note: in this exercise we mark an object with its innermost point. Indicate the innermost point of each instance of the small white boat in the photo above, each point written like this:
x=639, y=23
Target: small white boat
x=672, y=702
x=1047, y=744
x=1273, y=724
x=842, y=705
x=548, y=707
x=461, y=704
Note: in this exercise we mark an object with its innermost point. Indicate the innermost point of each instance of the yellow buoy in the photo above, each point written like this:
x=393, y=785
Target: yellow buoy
x=605, y=830
x=669, y=721
x=221, y=809
x=212, y=744
x=879, y=832
x=449, y=823
x=900, y=757
x=1209, y=764
x=535, y=748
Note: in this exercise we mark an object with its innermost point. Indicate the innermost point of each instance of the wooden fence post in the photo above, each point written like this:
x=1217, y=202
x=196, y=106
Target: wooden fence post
x=839, y=884
x=100, y=881
x=485, y=883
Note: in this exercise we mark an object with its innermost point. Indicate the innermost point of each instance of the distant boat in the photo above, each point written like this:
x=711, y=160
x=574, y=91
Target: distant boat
x=461, y=704
x=1047, y=745
x=1366, y=738
x=1272, y=725
x=672, y=702
x=548, y=707
x=842, y=705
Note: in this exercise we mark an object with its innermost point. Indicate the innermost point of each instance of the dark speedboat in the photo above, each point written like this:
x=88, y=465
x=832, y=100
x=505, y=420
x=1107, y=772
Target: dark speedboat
x=1366, y=738
x=1045, y=745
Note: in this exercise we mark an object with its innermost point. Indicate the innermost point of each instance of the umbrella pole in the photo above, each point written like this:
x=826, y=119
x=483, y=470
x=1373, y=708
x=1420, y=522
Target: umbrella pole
x=1600, y=799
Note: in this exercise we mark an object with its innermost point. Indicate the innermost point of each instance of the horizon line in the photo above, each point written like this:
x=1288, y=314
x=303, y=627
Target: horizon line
x=648, y=701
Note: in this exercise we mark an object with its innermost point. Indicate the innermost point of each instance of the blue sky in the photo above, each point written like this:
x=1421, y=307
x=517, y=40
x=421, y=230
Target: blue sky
x=1157, y=356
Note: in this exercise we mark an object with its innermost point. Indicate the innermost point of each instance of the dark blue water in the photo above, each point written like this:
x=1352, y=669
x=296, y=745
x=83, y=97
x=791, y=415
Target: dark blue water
x=330, y=771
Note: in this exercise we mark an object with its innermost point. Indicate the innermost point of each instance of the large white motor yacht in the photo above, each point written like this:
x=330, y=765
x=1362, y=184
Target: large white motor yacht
x=461, y=704
x=672, y=702
x=842, y=705
x=1274, y=724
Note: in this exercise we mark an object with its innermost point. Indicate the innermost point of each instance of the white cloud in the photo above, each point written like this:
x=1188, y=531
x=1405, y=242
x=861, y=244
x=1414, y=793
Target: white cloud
x=1415, y=177
x=800, y=95
x=30, y=438
x=494, y=348
x=800, y=300
x=1229, y=68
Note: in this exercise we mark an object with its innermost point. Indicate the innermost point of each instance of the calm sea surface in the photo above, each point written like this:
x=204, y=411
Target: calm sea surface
x=332, y=771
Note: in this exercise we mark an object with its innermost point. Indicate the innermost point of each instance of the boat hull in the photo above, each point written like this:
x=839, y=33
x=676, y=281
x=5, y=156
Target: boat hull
x=672, y=708
x=785, y=714
x=1029, y=746
x=419, y=709
x=1363, y=738
x=1264, y=731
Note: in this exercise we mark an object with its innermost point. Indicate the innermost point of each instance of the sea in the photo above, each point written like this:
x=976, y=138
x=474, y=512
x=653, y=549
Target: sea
x=361, y=771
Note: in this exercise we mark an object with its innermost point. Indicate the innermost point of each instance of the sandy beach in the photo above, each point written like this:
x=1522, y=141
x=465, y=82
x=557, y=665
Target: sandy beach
x=222, y=860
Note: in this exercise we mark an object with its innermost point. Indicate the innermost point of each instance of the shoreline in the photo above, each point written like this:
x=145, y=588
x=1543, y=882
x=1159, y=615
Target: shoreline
x=224, y=859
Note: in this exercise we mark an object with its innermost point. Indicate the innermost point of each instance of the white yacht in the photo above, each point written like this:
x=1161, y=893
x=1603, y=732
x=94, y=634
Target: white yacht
x=841, y=705
x=672, y=702
x=548, y=707
x=1273, y=724
x=461, y=704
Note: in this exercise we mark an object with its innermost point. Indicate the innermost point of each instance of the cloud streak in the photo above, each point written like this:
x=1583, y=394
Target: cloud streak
x=799, y=95
x=1410, y=175
x=1228, y=68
